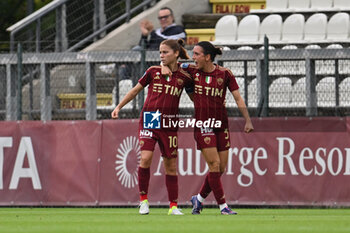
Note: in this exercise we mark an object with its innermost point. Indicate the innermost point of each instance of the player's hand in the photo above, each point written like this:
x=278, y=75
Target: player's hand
x=248, y=127
x=115, y=113
x=166, y=71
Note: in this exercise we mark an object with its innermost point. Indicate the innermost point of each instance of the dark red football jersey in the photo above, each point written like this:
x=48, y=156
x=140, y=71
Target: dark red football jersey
x=210, y=92
x=163, y=91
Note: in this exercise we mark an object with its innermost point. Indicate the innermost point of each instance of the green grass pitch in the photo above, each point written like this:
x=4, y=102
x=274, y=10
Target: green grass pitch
x=128, y=220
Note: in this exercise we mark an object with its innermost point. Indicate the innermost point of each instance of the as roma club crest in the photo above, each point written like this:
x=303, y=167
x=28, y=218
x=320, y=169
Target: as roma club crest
x=142, y=143
x=220, y=81
x=207, y=140
x=180, y=81
x=197, y=77
x=157, y=76
x=208, y=79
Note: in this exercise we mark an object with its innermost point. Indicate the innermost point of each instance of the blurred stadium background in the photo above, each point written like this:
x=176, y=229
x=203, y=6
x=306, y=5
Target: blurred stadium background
x=65, y=60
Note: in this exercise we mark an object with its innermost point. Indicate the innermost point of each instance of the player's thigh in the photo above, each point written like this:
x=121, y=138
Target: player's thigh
x=212, y=158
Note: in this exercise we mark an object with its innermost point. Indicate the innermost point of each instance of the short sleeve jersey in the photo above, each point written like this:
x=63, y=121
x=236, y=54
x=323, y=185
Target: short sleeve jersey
x=210, y=92
x=163, y=91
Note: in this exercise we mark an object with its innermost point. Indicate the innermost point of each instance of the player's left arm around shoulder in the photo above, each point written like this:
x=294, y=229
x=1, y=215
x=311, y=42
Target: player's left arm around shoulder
x=243, y=109
x=127, y=98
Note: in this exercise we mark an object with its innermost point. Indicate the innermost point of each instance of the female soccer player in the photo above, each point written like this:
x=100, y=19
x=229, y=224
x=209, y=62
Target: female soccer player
x=210, y=84
x=163, y=98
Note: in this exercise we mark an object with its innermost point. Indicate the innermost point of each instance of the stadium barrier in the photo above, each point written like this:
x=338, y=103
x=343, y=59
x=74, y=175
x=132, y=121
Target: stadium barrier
x=300, y=82
x=285, y=161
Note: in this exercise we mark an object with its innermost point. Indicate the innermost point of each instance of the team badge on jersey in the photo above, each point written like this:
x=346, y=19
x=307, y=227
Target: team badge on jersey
x=220, y=81
x=180, y=81
x=208, y=79
x=207, y=140
x=157, y=76
x=168, y=78
x=196, y=78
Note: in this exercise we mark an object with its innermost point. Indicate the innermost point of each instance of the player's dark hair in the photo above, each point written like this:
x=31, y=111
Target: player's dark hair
x=177, y=45
x=171, y=12
x=209, y=48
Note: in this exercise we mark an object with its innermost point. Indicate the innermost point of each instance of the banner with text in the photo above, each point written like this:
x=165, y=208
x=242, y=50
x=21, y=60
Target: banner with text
x=285, y=161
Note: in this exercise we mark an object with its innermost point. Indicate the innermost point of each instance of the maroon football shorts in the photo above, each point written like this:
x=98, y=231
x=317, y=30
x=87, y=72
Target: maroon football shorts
x=207, y=137
x=167, y=141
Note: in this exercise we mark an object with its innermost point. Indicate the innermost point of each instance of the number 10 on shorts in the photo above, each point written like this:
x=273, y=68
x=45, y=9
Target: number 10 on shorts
x=172, y=141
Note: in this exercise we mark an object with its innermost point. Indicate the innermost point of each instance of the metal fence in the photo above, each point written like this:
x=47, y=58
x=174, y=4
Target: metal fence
x=67, y=86
x=301, y=82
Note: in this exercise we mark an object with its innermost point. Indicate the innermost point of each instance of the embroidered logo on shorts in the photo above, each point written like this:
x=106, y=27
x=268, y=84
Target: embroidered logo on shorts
x=151, y=120
x=174, y=152
x=207, y=140
x=228, y=144
x=142, y=143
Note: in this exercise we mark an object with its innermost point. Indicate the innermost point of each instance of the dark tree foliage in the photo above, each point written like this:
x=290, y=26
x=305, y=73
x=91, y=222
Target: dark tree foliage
x=12, y=11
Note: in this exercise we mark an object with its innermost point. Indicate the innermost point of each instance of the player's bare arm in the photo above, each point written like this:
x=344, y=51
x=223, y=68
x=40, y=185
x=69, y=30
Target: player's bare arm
x=243, y=109
x=127, y=98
